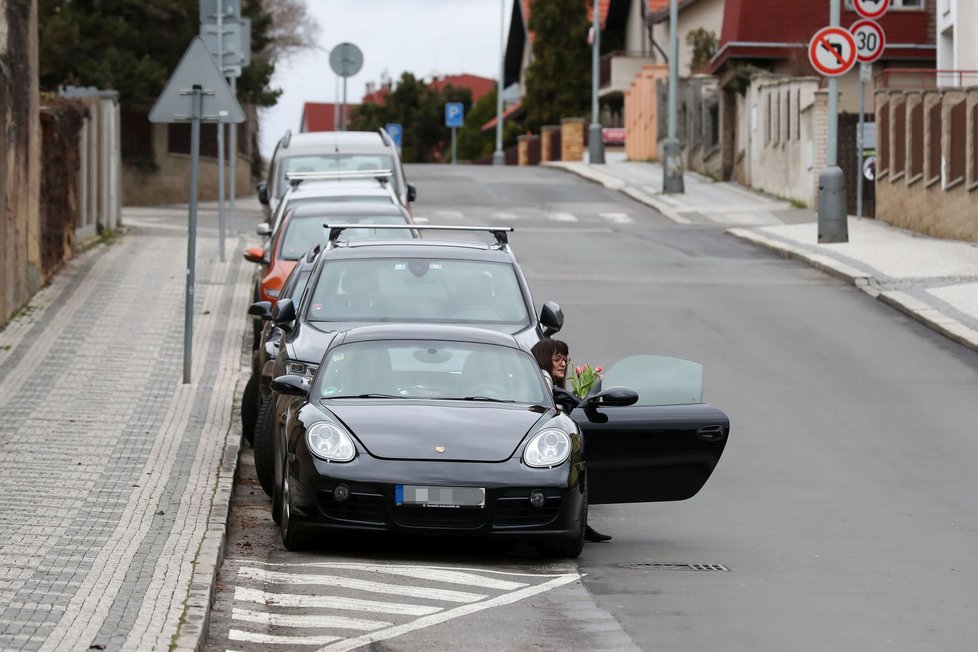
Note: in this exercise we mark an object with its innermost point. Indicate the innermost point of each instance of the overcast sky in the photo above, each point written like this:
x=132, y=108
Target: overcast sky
x=416, y=36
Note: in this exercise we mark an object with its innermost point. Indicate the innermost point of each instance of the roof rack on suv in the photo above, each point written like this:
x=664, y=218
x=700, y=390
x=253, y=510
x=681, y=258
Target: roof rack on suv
x=498, y=232
x=295, y=178
x=384, y=136
x=286, y=139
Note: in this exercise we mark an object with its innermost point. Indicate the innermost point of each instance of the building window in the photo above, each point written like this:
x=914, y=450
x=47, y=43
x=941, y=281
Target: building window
x=906, y=5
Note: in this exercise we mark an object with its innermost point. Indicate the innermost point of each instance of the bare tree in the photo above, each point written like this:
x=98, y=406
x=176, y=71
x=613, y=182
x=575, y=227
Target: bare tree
x=292, y=29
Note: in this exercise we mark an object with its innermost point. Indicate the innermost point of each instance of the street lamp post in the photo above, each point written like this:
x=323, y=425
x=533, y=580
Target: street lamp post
x=595, y=137
x=672, y=155
x=499, y=157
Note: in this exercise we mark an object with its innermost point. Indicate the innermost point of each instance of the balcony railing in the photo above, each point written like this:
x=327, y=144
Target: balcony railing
x=924, y=78
x=604, y=63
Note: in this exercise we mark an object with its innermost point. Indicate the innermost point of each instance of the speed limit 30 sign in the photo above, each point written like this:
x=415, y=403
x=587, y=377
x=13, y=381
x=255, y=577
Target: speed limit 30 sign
x=869, y=40
x=832, y=51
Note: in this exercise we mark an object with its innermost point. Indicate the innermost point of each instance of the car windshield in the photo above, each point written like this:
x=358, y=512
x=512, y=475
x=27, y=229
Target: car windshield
x=426, y=290
x=333, y=163
x=302, y=234
x=295, y=202
x=461, y=371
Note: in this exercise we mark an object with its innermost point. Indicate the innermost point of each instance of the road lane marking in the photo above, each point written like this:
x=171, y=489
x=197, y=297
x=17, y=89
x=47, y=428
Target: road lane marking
x=288, y=620
x=561, y=217
x=617, y=218
x=272, y=639
x=449, y=576
x=505, y=216
x=242, y=594
x=435, y=619
x=273, y=577
x=449, y=215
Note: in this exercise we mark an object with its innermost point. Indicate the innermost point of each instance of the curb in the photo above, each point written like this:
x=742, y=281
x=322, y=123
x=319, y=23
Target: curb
x=905, y=303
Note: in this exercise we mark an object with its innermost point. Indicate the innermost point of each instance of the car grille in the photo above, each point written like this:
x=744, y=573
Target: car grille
x=364, y=505
x=514, y=510
x=434, y=517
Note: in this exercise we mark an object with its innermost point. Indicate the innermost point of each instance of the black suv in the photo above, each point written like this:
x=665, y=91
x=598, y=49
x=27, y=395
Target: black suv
x=398, y=281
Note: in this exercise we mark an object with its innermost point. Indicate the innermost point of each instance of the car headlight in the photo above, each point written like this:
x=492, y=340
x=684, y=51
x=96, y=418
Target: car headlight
x=548, y=447
x=301, y=369
x=330, y=442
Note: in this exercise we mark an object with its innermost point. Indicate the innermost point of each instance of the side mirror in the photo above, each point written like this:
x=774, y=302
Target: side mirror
x=551, y=318
x=261, y=310
x=617, y=396
x=291, y=385
x=255, y=255
x=283, y=313
x=262, y=189
x=263, y=229
x=412, y=192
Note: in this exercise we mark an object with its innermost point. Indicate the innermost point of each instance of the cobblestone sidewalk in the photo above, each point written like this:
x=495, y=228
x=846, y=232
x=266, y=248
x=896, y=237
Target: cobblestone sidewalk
x=115, y=475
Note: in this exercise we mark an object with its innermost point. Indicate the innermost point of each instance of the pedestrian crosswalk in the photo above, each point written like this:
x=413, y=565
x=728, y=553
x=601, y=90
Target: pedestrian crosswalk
x=338, y=606
x=680, y=211
x=556, y=217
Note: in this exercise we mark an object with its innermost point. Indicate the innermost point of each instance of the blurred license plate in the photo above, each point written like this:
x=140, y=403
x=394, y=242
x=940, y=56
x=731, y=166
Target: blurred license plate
x=407, y=494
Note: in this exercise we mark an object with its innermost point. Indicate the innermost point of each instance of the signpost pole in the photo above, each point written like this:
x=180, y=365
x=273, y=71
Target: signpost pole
x=672, y=170
x=197, y=102
x=344, y=103
x=499, y=157
x=594, y=137
x=233, y=132
x=832, y=209
x=454, y=149
x=860, y=138
x=220, y=139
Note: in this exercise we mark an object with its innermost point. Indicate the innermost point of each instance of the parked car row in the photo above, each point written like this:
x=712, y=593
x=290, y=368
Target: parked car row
x=393, y=388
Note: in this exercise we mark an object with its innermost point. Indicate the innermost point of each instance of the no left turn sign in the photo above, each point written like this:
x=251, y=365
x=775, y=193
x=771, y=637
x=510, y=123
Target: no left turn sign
x=871, y=8
x=869, y=40
x=832, y=51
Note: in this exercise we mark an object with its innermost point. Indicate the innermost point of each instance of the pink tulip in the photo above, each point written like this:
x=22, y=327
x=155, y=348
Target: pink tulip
x=598, y=369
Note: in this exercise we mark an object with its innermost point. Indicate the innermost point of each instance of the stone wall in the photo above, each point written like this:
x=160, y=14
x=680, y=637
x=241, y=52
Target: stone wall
x=572, y=139
x=20, y=231
x=927, y=169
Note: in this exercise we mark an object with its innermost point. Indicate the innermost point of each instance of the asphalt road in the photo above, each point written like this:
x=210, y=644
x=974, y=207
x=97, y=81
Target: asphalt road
x=842, y=515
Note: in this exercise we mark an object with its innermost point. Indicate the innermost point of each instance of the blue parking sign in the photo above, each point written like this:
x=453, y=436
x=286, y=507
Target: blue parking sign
x=454, y=114
x=395, y=131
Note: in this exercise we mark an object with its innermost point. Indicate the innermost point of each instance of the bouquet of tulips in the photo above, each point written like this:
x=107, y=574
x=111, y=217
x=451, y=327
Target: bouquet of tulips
x=584, y=379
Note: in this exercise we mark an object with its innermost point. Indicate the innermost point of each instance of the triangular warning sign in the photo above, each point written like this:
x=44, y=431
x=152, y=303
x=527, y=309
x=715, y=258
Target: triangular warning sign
x=196, y=68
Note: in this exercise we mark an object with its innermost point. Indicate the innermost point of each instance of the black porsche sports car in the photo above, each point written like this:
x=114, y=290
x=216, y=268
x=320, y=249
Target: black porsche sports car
x=433, y=429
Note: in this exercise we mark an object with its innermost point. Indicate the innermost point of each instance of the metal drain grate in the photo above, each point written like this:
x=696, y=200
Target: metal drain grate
x=675, y=567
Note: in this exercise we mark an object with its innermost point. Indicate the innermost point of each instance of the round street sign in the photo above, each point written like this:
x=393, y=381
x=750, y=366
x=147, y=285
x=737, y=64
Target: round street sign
x=346, y=59
x=871, y=8
x=869, y=40
x=869, y=168
x=832, y=51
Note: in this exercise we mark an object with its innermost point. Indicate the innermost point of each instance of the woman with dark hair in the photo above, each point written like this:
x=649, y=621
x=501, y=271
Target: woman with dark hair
x=553, y=356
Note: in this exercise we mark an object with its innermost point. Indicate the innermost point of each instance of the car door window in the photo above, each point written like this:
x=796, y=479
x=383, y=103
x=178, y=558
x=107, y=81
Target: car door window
x=659, y=380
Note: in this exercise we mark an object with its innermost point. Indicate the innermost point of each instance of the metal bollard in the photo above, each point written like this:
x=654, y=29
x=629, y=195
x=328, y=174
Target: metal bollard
x=832, y=217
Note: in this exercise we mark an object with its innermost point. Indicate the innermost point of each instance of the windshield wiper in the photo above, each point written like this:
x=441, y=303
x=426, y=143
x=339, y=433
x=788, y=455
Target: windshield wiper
x=366, y=396
x=482, y=398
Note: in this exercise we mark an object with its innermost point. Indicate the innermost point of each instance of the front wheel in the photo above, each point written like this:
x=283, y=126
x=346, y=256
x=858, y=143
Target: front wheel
x=292, y=534
x=249, y=409
x=263, y=444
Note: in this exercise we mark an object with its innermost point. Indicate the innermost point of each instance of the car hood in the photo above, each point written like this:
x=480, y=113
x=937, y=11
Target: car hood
x=413, y=430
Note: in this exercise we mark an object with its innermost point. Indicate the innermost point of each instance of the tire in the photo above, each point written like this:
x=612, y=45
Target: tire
x=249, y=409
x=263, y=444
x=567, y=548
x=278, y=456
x=293, y=536
x=257, y=325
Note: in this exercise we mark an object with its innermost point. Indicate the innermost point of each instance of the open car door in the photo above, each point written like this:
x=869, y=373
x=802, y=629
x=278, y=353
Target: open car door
x=662, y=447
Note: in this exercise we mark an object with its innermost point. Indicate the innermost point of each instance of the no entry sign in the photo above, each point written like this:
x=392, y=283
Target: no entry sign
x=871, y=8
x=869, y=40
x=832, y=51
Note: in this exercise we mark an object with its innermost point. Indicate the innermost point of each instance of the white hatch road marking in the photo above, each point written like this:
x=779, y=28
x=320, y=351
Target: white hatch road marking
x=272, y=639
x=449, y=215
x=262, y=615
x=290, y=620
x=255, y=596
x=505, y=216
x=617, y=218
x=438, y=574
x=270, y=577
x=561, y=217
x=435, y=619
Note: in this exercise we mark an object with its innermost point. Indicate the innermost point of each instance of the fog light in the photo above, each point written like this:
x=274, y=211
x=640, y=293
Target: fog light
x=537, y=499
x=341, y=493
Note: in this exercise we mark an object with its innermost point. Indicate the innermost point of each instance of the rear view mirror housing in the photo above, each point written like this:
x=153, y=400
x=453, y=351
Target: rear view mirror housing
x=263, y=229
x=613, y=396
x=261, y=310
x=551, y=318
x=283, y=314
x=255, y=255
x=262, y=189
x=291, y=385
x=412, y=192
